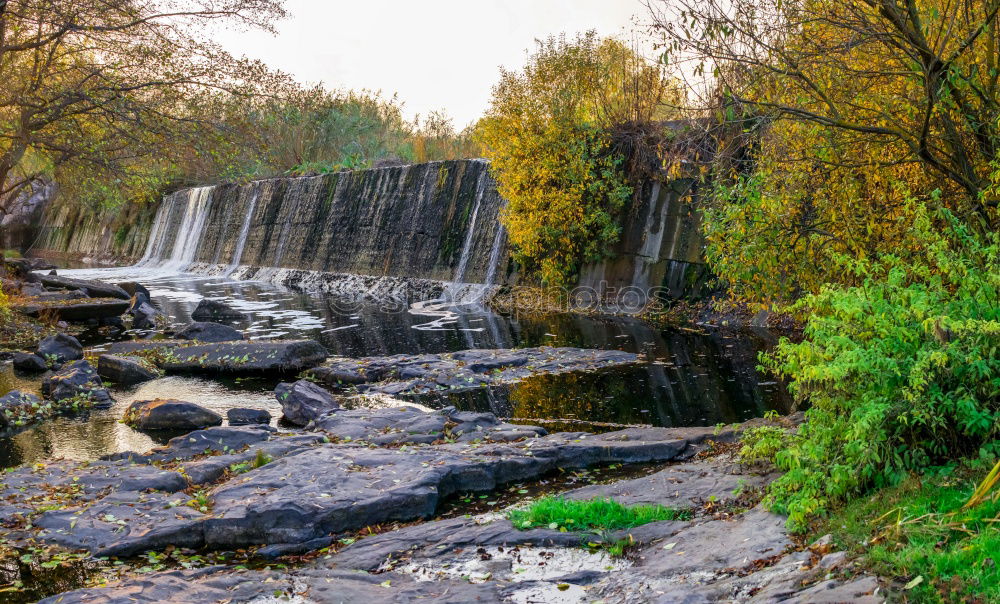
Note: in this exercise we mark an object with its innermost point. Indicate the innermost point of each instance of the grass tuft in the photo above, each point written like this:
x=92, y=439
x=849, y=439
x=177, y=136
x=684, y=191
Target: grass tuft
x=594, y=514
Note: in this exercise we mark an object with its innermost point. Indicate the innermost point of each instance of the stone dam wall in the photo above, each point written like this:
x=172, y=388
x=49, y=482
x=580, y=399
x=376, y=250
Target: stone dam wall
x=425, y=227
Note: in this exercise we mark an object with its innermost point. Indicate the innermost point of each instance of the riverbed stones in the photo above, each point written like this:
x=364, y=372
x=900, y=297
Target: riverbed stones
x=29, y=362
x=169, y=414
x=464, y=370
x=12, y=406
x=304, y=401
x=60, y=348
x=124, y=370
x=205, y=331
x=216, y=311
x=248, y=417
x=77, y=380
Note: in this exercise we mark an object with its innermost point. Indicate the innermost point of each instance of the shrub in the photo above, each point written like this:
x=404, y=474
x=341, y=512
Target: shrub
x=902, y=371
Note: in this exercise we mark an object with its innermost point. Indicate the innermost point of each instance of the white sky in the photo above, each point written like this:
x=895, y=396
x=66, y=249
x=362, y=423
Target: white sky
x=436, y=54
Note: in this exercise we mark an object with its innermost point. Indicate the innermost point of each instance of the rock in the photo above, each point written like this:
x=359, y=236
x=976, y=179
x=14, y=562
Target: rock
x=272, y=356
x=144, y=314
x=169, y=414
x=133, y=287
x=30, y=363
x=94, y=289
x=464, y=370
x=77, y=379
x=60, y=347
x=75, y=311
x=304, y=401
x=60, y=296
x=209, y=332
x=11, y=402
x=214, y=310
x=123, y=370
x=246, y=417
x=679, y=486
x=399, y=425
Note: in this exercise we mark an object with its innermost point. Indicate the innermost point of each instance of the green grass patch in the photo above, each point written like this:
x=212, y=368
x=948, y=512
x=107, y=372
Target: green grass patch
x=918, y=534
x=594, y=514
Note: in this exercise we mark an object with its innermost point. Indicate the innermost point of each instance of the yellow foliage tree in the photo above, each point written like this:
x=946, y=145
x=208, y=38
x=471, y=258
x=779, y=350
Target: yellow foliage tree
x=547, y=136
x=870, y=104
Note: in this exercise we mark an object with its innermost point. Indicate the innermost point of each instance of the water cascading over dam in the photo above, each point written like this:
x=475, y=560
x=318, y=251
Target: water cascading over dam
x=408, y=233
x=425, y=225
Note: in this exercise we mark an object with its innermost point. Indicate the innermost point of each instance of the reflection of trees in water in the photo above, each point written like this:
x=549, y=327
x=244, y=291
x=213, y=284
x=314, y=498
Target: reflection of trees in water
x=598, y=397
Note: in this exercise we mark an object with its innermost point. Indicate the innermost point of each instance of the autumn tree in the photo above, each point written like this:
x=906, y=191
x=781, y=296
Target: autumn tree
x=872, y=104
x=108, y=94
x=547, y=134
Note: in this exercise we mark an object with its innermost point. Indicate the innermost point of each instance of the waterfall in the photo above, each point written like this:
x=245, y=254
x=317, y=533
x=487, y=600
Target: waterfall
x=470, y=230
x=156, y=234
x=491, y=271
x=189, y=233
x=242, y=241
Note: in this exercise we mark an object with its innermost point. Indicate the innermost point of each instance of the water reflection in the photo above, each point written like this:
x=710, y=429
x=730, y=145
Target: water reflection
x=694, y=379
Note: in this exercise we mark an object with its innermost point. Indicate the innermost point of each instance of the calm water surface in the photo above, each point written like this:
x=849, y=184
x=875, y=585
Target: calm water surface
x=693, y=379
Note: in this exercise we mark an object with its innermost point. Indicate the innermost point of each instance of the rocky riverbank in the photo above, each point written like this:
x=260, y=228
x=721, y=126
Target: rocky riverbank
x=315, y=490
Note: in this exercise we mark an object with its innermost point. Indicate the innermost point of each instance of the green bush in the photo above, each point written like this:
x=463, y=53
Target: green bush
x=902, y=371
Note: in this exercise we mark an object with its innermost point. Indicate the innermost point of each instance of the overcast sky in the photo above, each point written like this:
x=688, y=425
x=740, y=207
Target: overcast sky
x=436, y=54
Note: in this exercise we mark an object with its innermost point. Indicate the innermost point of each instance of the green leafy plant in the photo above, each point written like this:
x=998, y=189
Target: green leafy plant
x=761, y=443
x=558, y=513
x=901, y=371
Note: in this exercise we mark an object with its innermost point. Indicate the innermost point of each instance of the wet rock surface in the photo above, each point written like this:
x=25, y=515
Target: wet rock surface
x=304, y=401
x=123, y=370
x=416, y=374
x=77, y=380
x=93, y=289
x=247, y=417
x=282, y=356
x=60, y=348
x=307, y=489
x=29, y=362
x=726, y=557
x=216, y=311
x=169, y=414
x=204, y=331
x=402, y=425
x=75, y=310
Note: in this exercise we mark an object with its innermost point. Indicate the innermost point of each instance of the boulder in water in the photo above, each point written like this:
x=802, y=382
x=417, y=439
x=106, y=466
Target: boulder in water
x=77, y=380
x=247, y=417
x=132, y=288
x=304, y=401
x=30, y=363
x=216, y=311
x=169, y=414
x=60, y=348
x=204, y=331
x=123, y=370
x=144, y=314
x=10, y=404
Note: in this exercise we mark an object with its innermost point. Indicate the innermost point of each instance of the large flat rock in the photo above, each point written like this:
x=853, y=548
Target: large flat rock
x=75, y=310
x=310, y=488
x=94, y=289
x=279, y=356
x=467, y=369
